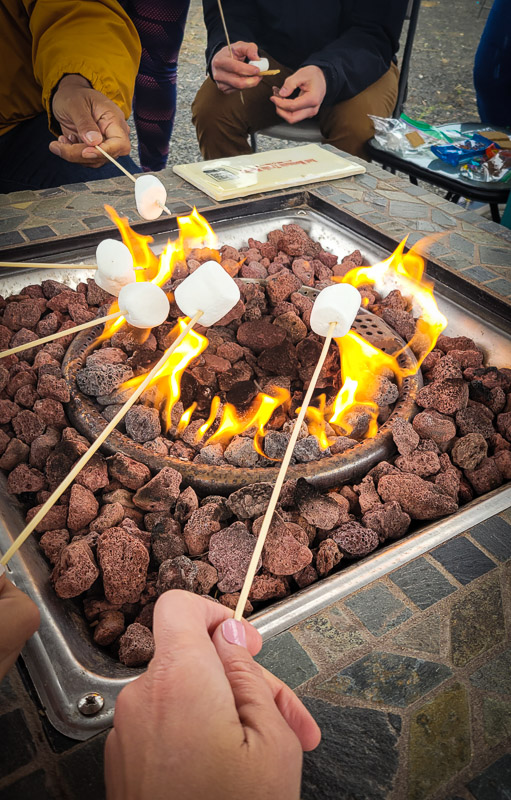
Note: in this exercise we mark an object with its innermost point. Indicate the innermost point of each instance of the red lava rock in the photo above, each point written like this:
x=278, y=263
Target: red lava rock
x=445, y=396
x=447, y=368
x=449, y=482
x=467, y=358
x=388, y=520
x=26, y=396
x=5, y=338
x=177, y=573
x=417, y=497
x=167, y=543
x=161, y=492
x=419, y=463
x=28, y=426
x=405, y=437
x=186, y=504
x=198, y=531
x=503, y=461
x=102, y=378
x=469, y=451
x=485, y=477
x=327, y=557
x=110, y=626
x=15, y=453
x=250, y=501
x=238, y=373
x=94, y=475
x=207, y=577
x=25, y=479
x=52, y=543
x=128, y=472
x=319, y=510
x=240, y=452
x=8, y=410
x=230, y=351
x=230, y=600
x=268, y=587
x=354, y=540
x=259, y=335
x=433, y=425
x=303, y=271
x=25, y=314
x=292, y=325
x=53, y=387
x=136, y=646
x=448, y=343
x=368, y=496
x=4, y=440
x=402, y=322
x=124, y=561
x=282, y=553
x=281, y=285
x=235, y=313
x=75, y=570
x=504, y=425
x=111, y=515
x=83, y=508
x=475, y=420
x=54, y=519
x=230, y=551
x=25, y=377
x=142, y=423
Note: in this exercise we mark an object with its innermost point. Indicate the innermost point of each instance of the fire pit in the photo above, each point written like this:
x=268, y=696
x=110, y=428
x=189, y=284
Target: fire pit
x=82, y=668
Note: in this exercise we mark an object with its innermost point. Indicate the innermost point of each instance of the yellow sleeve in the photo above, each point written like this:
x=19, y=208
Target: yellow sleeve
x=93, y=38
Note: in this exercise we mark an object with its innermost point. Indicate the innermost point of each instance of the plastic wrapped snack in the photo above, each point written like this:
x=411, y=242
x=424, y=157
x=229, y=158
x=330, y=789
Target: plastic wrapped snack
x=496, y=168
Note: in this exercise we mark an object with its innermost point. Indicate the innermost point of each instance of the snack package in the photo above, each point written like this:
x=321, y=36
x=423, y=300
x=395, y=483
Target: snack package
x=496, y=168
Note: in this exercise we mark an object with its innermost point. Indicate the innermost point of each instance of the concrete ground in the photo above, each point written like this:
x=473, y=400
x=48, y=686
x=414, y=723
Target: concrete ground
x=440, y=83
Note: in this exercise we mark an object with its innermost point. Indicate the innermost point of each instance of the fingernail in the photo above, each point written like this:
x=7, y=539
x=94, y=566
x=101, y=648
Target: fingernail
x=93, y=137
x=55, y=149
x=234, y=632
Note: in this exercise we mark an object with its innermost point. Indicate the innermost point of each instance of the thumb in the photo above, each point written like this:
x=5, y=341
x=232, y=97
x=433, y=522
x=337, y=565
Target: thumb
x=86, y=127
x=289, y=85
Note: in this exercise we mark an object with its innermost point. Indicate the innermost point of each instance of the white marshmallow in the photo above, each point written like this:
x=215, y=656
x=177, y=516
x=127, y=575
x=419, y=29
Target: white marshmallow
x=115, y=266
x=262, y=64
x=144, y=305
x=150, y=196
x=209, y=289
x=338, y=303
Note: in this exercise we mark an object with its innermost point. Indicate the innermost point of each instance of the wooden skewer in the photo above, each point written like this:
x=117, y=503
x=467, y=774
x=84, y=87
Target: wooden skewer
x=127, y=173
x=220, y=8
x=59, y=335
x=107, y=430
x=252, y=567
x=31, y=265
x=270, y=72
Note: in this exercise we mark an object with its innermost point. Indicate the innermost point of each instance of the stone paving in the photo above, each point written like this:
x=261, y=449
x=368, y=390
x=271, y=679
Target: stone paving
x=409, y=678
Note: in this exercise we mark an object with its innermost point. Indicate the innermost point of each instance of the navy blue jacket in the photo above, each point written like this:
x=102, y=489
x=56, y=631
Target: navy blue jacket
x=353, y=41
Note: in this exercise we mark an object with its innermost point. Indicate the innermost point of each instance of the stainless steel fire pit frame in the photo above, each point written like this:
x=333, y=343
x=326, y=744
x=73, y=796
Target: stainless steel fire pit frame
x=65, y=666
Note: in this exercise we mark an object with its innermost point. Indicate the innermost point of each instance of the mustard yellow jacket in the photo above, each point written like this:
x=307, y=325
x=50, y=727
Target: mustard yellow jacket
x=42, y=40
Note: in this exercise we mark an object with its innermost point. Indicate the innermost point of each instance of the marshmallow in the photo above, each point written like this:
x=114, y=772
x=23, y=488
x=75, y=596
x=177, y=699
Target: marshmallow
x=115, y=266
x=209, y=289
x=262, y=64
x=339, y=303
x=150, y=196
x=144, y=305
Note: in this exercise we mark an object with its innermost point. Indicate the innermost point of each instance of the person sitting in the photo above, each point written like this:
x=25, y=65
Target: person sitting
x=336, y=60
x=68, y=71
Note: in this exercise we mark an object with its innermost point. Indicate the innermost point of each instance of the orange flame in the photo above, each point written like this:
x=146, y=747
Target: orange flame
x=316, y=422
x=258, y=416
x=138, y=246
x=168, y=378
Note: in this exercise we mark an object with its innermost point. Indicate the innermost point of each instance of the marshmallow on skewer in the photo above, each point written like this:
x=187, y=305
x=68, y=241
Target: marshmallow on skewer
x=150, y=196
x=144, y=305
x=115, y=266
x=262, y=64
x=338, y=303
x=209, y=289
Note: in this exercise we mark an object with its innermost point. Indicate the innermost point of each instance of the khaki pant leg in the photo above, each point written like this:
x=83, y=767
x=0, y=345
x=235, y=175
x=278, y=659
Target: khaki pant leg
x=347, y=126
x=223, y=122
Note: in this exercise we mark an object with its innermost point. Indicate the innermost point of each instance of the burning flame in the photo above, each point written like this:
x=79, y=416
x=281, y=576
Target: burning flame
x=138, y=246
x=168, y=378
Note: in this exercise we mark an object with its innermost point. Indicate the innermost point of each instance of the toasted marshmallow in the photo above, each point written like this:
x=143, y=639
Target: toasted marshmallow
x=338, y=303
x=150, y=196
x=144, y=305
x=115, y=266
x=209, y=289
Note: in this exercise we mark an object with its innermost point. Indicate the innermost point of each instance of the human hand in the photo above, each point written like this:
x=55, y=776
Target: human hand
x=229, y=73
x=87, y=118
x=312, y=84
x=205, y=720
x=19, y=619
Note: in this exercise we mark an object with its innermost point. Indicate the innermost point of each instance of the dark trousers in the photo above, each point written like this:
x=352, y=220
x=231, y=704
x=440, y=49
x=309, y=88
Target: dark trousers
x=26, y=162
x=492, y=67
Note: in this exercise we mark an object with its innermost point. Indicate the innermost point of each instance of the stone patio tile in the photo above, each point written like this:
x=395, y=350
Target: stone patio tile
x=72, y=188
x=17, y=197
x=494, y=782
x=422, y=583
x=283, y=656
x=7, y=693
x=477, y=621
x=407, y=210
x=375, y=218
x=495, y=535
x=461, y=245
x=438, y=249
x=375, y=199
x=97, y=222
x=462, y=559
x=378, y=609
x=418, y=191
x=495, y=676
x=439, y=742
x=396, y=195
x=178, y=208
x=455, y=261
x=341, y=197
x=501, y=286
x=387, y=679
x=329, y=634
x=424, y=636
x=496, y=720
x=446, y=220
x=17, y=747
x=360, y=208
x=367, y=180
x=10, y=238
x=39, y=232
x=81, y=769
x=11, y=223
x=495, y=255
x=479, y=274
x=31, y=787
x=68, y=226
x=357, y=757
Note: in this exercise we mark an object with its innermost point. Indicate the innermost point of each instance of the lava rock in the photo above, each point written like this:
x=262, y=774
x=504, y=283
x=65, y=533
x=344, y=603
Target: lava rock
x=417, y=497
x=110, y=626
x=17, y=452
x=187, y=503
x=433, y=425
x=111, y=515
x=198, y=531
x=102, y=378
x=142, y=423
x=318, y=509
x=474, y=420
x=75, y=570
x=354, y=540
x=161, y=492
x=136, y=646
x=52, y=544
x=83, y=508
x=388, y=520
x=124, y=561
x=268, y=587
x=423, y=463
x=259, y=335
x=282, y=553
x=368, y=497
x=25, y=479
x=469, y=451
x=445, y=396
x=327, y=557
x=230, y=551
x=130, y=473
x=28, y=426
x=250, y=501
x=240, y=452
x=485, y=477
x=177, y=573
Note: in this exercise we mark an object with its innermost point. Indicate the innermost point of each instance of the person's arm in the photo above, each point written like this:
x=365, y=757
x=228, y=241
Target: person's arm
x=205, y=720
x=19, y=619
x=363, y=53
x=242, y=21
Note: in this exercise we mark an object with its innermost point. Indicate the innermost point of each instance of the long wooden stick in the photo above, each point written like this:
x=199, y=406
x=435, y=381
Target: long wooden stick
x=59, y=335
x=33, y=265
x=34, y=522
x=127, y=173
x=220, y=8
x=252, y=567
